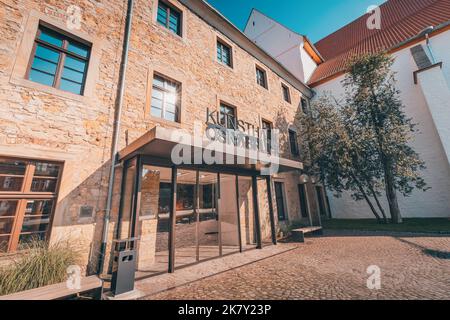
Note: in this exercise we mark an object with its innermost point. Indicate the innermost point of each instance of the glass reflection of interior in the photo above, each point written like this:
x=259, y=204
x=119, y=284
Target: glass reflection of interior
x=206, y=219
x=154, y=220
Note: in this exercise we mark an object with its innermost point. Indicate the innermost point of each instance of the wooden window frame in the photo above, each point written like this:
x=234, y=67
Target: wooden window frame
x=264, y=72
x=24, y=195
x=285, y=89
x=169, y=8
x=230, y=48
x=165, y=91
x=63, y=52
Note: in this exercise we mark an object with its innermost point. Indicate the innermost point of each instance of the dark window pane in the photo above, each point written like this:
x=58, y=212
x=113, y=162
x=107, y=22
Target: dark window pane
x=78, y=49
x=43, y=185
x=279, y=196
x=4, y=243
x=303, y=200
x=35, y=224
x=224, y=53
x=304, y=105
x=70, y=86
x=286, y=94
x=8, y=208
x=51, y=37
x=12, y=167
x=10, y=183
x=6, y=225
x=26, y=239
x=39, y=207
x=74, y=64
x=46, y=169
x=293, y=142
x=40, y=77
x=47, y=54
x=261, y=77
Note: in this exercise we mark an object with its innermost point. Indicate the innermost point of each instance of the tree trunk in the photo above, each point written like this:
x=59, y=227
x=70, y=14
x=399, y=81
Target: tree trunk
x=391, y=195
x=361, y=189
x=385, y=220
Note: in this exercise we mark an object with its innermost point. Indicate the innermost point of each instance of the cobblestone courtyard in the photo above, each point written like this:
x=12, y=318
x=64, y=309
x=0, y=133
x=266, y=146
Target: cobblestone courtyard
x=334, y=267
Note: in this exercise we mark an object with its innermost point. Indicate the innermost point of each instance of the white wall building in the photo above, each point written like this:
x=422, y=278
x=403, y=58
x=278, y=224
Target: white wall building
x=423, y=77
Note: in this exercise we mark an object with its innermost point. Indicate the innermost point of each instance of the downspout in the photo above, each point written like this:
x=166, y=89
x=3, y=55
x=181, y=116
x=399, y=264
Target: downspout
x=116, y=134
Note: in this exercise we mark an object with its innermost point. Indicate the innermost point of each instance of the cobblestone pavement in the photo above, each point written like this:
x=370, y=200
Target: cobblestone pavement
x=335, y=267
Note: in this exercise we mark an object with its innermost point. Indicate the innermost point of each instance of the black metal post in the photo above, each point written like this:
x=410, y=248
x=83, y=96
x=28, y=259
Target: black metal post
x=136, y=199
x=238, y=212
x=172, y=219
x=256, y=210
x=197, y=215
x=219, y=220
x=271, y=211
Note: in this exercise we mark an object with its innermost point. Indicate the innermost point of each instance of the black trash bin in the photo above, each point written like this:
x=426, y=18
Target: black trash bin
x=124, y=266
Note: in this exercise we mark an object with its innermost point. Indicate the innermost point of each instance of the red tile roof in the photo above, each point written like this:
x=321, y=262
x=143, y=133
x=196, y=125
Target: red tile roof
x=401, y=20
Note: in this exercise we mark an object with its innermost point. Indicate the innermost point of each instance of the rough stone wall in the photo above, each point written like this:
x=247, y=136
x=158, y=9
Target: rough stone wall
x=37, y=124
x=192, y=61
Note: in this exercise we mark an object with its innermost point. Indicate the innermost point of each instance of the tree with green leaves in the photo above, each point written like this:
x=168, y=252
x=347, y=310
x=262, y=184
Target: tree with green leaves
x=361, y=144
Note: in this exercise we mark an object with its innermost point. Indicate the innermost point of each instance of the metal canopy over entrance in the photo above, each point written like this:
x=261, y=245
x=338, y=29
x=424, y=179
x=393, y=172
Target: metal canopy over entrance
x=186, y=214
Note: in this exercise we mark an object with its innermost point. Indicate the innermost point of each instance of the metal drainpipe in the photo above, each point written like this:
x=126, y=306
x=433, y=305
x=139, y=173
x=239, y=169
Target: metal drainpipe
x=115, y=142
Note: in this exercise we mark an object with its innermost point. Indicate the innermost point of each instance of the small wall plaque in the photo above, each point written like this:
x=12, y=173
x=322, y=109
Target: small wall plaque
x=86, y=212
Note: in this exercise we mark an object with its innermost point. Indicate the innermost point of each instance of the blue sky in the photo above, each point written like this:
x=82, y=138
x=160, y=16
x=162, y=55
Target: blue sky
x=316, y=19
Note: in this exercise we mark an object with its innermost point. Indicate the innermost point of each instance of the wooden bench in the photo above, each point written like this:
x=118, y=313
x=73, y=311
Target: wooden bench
x=57, y=291
x=298, y=235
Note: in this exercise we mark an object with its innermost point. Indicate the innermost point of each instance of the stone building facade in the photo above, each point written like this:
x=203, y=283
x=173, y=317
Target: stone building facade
x=42, y=124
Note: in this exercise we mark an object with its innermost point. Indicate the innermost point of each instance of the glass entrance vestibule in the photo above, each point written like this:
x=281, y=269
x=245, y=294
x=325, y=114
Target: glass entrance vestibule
x=183, y=215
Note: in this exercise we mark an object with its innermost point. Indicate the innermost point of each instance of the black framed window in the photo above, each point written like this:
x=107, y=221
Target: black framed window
x=303, y=200
x=293, y=143
x=228, y=117
x=224, y=54
x=286, y=93
x=166, y=99
x=261, y=77
x=304, y=104
x=169, y=17
x=59, y=61
x=279, y=196
x=267, y=135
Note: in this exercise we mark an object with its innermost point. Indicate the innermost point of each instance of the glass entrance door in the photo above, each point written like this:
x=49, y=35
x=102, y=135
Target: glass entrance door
x=188, y=215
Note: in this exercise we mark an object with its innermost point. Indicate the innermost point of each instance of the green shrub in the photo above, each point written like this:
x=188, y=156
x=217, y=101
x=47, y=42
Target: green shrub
x=39, y=265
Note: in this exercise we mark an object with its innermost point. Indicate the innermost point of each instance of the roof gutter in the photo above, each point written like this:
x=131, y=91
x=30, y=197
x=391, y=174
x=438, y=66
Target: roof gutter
x=115, y=142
